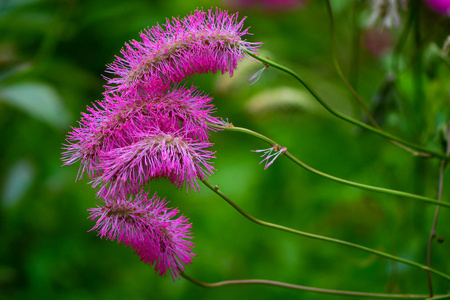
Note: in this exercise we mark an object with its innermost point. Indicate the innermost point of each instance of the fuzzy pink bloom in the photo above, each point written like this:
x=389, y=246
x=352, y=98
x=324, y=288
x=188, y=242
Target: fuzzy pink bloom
x=377, y=41
x=440, y=6
x=150, y=228
x=119, y=121
x=202, y=42
x=155, y=155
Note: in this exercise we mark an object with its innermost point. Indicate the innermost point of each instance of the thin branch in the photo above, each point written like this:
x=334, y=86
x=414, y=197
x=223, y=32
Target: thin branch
x=350, y=87
x=433, y=228
x=339, y=70
x=299, y=287
x=334, y=178
x=436, y=213
x=216, y=190
x=345, y=117
x=439, y=297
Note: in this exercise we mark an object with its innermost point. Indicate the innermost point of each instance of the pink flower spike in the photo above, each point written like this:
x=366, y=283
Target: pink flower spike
x=202, y=42
x=116, y=121
x=154, y=155
x=269, y=153
x=151, y=229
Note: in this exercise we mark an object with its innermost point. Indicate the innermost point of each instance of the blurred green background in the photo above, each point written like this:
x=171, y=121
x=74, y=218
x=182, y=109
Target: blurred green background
x=52, y=56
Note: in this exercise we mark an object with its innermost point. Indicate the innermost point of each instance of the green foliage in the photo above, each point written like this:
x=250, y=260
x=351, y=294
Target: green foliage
x=52, y=55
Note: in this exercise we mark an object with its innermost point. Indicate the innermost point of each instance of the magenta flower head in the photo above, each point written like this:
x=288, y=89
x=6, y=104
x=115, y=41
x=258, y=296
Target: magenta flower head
x=440, y=6
x=120, y=121
x=151, y=229
x=202, y=42
x=155, y=154
x=178, y=109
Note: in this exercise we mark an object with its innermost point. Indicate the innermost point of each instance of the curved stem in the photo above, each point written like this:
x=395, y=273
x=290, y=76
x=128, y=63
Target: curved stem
x=355, y=49
x=439, y=297
x=402, y=41
x=299, y=287
x=436, y=213
x=433, y=227
x=343, y=116
x=339, y=70
x=334, y=178
x=350, y=87
x=216, y=190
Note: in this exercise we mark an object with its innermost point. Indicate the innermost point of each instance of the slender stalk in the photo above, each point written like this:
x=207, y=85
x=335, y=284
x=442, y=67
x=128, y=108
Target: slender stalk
x=436, y=213
x=417, y=109
x=299, y=287
x=433, y=227
x=216, y=190
x=334, y=178
x=439, y=297
x=402, y=41
x=339, y=70
x=343, y=116
x=355, y=54
x=350, y=87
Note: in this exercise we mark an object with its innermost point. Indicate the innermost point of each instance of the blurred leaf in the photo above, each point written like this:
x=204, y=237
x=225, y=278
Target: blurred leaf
x=14, y=70
x=39, y=100
x=18, y=180
x=282, y=99
x=384, y=103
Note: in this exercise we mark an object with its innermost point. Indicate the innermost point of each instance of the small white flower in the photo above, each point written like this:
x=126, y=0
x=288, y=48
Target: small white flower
x=271, y=153
x=257, y=75
x=386, y=12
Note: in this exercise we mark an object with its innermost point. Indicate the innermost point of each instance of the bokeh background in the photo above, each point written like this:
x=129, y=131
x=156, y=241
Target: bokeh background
x=52, y=57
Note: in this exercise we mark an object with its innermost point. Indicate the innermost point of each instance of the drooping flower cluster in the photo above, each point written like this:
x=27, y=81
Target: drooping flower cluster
x=150, y=228
x=150, y=125
x=200, y=43
x=155, y=155
x=147, y=134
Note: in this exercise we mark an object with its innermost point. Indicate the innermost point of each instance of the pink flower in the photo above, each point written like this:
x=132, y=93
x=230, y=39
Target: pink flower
x=151, y=229
x=120, y=121
x=155, y=154
x=440, y=6
x=202, y=42
x=377, y=41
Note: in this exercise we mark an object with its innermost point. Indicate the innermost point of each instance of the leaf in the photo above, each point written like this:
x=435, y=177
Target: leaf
x=281, y=100
x=39, y=100
x=18, y=180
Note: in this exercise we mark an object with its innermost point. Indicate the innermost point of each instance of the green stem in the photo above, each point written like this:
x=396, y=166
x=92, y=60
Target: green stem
x=436, y=213
x=344, y=117
x=339, y=70
x=402, y=41
x=433, y=227
x=333, y=178
x=439, y=297
x=350, y=87
x=299, y=287
x=356, y=41
x=322, y=238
